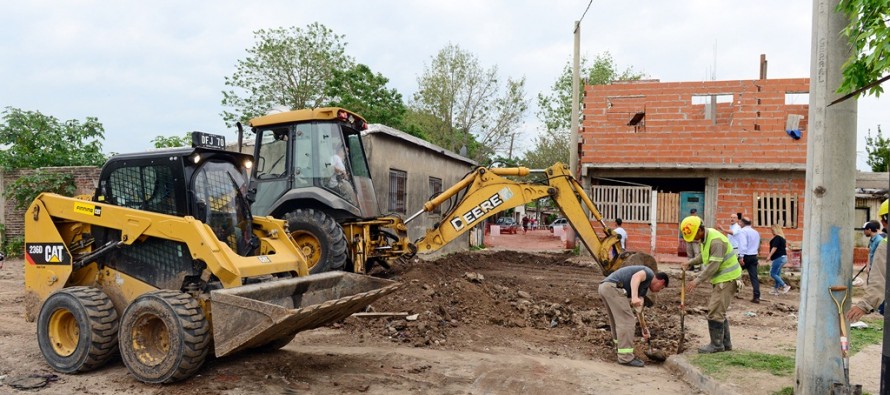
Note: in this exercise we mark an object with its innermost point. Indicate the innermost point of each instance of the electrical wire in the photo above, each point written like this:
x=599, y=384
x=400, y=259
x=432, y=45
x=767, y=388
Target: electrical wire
x=585, y=11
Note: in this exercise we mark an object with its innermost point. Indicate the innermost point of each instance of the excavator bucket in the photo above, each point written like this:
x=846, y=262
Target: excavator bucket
x=256, y=314
x=631, y=258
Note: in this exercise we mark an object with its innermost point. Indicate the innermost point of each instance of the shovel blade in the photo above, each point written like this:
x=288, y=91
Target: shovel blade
x=656, y=355
x=256, y=314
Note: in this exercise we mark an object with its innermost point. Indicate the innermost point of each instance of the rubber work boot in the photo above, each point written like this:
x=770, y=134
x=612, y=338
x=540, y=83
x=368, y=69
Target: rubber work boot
x=636, y=362
x=727, y=342
x=715, y=329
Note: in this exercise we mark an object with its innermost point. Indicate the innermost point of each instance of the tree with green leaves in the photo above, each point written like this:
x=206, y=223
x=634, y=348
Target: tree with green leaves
x=555, y=108
x=878, y=149
x=172, y=141
x=869, y=35
x=363, y=91
x=35, y=140
x=286, y=66
x=464, y=105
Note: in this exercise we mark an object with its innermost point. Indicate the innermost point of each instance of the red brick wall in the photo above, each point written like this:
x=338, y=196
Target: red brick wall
x=85, y=179
x=751, y=129
x=748, y=131
x=666, y=240
x=734, y=194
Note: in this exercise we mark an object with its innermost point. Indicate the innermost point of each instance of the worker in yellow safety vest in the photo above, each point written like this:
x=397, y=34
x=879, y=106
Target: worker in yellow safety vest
x=720, y=266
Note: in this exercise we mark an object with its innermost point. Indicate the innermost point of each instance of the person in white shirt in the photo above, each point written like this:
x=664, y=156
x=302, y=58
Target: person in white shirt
x=734, y=232
x=618, y=229
x=339, y=167
x=340, y=180
x=749, y=256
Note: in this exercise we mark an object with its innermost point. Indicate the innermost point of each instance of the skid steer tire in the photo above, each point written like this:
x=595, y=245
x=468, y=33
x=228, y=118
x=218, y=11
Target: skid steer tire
x=77, y=329
x=320, y=238
x=164, y=337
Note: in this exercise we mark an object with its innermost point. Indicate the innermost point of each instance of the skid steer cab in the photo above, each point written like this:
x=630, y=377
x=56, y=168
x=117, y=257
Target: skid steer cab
x=166, y=263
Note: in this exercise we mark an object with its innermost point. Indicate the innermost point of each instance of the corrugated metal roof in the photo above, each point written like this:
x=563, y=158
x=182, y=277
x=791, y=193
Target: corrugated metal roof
x=379, y=128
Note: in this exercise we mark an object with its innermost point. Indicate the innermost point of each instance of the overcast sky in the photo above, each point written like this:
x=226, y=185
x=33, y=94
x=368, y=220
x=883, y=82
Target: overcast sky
x=149, y=68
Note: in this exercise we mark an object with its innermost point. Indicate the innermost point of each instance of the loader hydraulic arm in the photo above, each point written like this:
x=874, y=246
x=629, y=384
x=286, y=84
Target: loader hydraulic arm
x=49, y=211
x=486, y=192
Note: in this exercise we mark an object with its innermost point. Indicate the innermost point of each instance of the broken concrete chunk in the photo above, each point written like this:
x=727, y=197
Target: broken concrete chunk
x=474, y=277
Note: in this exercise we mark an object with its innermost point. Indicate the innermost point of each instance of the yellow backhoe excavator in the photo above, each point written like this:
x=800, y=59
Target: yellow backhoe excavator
x=334, y=218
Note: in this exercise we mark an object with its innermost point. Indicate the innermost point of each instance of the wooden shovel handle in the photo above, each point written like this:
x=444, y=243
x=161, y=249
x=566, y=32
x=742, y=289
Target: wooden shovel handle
x=683, y=291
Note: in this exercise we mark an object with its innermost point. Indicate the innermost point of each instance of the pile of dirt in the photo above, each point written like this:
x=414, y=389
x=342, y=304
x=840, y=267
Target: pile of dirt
x=546, y=303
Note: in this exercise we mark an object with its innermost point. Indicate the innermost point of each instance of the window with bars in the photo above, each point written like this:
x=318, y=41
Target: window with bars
x=435, y=190
x=775, y=208
x=149, y=188
x=398, y=187
x=630, y=203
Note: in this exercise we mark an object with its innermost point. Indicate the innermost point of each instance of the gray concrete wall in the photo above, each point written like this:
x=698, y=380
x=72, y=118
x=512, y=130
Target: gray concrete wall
x=387, y=151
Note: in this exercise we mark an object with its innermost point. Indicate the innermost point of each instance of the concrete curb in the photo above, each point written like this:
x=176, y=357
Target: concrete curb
x=692, y=375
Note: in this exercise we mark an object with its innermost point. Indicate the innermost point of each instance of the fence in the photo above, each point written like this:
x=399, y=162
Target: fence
x=668, y=207
x=775, y=208
x=631, y=204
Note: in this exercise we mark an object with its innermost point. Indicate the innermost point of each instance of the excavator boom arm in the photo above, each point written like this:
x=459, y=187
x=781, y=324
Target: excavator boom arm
x=486, y=192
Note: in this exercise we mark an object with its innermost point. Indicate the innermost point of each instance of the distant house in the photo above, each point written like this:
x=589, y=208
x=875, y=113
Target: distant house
x=721, y=147
x=407, y=172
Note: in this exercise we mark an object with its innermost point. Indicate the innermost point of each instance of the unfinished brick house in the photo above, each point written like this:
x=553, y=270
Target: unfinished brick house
x=652, y=150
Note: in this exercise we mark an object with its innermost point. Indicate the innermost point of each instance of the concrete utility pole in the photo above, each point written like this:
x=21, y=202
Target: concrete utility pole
x=828, y=209
x=576, y=77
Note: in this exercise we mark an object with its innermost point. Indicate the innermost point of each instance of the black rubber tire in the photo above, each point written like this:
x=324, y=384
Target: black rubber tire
x=91, y=334
x=331, y=251
x=164, y=337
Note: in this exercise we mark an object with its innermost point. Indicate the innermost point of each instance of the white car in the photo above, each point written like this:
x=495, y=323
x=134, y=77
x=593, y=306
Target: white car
x=558, y=222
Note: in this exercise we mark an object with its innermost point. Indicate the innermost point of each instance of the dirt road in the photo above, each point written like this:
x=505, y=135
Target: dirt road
x=526, y=324
x=493, y=321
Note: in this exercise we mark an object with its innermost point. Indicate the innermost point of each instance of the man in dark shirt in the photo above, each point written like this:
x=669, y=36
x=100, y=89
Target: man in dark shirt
x=630, y=282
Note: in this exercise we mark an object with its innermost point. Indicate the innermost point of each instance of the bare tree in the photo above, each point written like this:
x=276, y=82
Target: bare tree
x=463, y=105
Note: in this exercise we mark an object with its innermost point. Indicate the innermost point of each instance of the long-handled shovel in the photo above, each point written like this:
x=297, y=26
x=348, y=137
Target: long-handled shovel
x=682, y=314
x=654, y=355
x=843, y=323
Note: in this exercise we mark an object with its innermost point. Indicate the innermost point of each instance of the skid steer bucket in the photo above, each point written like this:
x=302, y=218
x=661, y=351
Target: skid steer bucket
x=256, y=314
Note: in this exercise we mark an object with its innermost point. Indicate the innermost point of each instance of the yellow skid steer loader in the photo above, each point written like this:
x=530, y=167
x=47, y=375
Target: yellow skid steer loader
x=165, y=263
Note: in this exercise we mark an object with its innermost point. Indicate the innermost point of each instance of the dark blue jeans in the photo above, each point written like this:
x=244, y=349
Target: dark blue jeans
x=751, y=267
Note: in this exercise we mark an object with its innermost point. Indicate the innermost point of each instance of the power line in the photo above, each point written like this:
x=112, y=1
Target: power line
x=585, y=11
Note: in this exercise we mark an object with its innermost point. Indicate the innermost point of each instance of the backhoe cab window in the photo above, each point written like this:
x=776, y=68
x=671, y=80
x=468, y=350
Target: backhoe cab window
x=320, y=158
x=220, y=203
x=271, y=161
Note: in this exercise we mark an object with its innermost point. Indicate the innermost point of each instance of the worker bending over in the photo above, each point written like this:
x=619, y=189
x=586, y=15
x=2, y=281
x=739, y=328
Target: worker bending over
x=630, y=282
x=720, y=266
